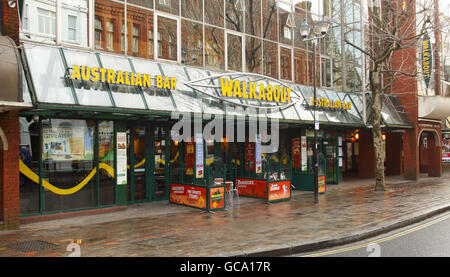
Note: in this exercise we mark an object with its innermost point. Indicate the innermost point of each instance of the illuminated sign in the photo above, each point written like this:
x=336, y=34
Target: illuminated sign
x=249, y=90
x=119, y=77
x=271, y=93
x=427, y=60
x=332, y=104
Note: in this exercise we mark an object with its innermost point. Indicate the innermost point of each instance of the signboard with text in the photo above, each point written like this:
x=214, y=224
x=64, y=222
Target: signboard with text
x=188, y=195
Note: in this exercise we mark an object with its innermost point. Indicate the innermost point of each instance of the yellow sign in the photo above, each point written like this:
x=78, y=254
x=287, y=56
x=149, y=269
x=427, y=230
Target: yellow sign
x=333, y=104
x=251, y=90
x=119, y=77
x=427, y=60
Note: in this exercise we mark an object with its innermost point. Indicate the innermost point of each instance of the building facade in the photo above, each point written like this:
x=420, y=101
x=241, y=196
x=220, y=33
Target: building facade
x=102, y=80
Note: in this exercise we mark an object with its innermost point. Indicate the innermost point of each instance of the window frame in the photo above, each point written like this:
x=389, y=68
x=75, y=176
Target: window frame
x=156, y=16
x=242, y=36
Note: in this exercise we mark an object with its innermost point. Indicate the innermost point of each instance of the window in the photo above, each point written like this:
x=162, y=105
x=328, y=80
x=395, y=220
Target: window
x=234, y=52
x=214, y=13
x=151, y=49
x=46, y=22
x=300, y=66
x=122, y=39
x=286, y=24
x=192, y=9
x=75, y=22
x=235, y=15
x=25, y=18
x=286, y=63
x=253, y=54
x=110, y=35
x=269, y=15
x=270, y=59
x=68, y=157
x=253, y=17
x=192, y=43
x=169, y=6
x=111, y=31
x=214, y=48
x=160, y=45
x=167, y=38
x=326, y=72
x=135, y=38
x=72, y=27
x=98, y=33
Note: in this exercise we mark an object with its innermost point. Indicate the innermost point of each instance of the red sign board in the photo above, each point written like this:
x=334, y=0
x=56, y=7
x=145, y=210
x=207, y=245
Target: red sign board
x=253, y=188
x=188, y=195
x=279, y=190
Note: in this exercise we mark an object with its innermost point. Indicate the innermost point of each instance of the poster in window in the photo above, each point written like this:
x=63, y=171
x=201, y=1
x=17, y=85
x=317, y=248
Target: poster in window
x=304, y=154
x=296, y=147
x=258, y=155
x=121, y=158
x=199, y=166
x=68, y=143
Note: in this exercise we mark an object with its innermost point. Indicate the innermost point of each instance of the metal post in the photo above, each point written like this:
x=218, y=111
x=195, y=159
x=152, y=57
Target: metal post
x=315, y=157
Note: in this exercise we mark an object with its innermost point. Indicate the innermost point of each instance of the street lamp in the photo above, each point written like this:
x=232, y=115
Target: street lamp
x=319, y=31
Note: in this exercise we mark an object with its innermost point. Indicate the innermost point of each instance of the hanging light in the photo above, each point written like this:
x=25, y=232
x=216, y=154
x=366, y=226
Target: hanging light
x=305, y=29
x=323, y=25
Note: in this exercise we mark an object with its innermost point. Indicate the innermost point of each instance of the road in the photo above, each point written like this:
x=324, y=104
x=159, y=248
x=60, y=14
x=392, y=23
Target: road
x=430, y=238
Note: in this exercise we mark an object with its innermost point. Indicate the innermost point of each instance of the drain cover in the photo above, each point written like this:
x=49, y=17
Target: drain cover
x=33, y=246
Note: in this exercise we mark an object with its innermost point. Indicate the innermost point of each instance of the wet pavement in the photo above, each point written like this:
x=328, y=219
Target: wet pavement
x=160, y=229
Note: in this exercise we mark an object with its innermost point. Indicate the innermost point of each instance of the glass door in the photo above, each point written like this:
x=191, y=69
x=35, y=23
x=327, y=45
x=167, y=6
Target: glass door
x=160, y=170
x=332, y=161
x=137, y=152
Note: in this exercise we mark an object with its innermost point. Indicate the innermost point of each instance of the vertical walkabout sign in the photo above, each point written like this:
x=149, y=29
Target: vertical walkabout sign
x=427, y=60
x=258, y=155
x=199, y=165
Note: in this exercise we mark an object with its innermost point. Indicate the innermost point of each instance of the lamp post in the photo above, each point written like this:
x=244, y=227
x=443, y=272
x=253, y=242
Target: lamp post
x=305, y=30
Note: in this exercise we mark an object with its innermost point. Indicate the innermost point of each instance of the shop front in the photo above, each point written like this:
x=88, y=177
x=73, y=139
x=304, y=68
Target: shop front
x=107, y=130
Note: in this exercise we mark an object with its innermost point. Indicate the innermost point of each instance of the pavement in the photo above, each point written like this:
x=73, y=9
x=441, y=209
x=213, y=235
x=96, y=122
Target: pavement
x=348, y=212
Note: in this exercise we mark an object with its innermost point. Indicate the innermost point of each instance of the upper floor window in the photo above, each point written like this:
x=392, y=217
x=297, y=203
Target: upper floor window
x=98, y=33
x=72, y=27
x=135, y=38
x=25, y=18
x=110, y=35
x=46, y=22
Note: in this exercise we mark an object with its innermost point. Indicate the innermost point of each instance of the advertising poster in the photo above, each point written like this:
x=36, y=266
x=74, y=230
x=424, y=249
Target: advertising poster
x=188, y=195
x=250, y=156
x=296, y=152
x=199, y=166
x=121, y=158
x=68, y=143
x=258, y=155
x=279, y=190
x=304, y=154
x=217, y=198
x=190, y=158
x=322, y=184
x=253, y=188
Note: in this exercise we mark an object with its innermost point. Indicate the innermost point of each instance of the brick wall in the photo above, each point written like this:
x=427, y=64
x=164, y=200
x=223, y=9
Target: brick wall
x=10, y=21
x=9, y=170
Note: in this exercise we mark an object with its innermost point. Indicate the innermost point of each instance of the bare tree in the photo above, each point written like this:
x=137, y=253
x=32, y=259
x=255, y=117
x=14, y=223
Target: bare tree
x=393, y=31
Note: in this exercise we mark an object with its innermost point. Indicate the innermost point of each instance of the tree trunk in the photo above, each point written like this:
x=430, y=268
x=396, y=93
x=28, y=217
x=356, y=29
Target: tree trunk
x=376, y=131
